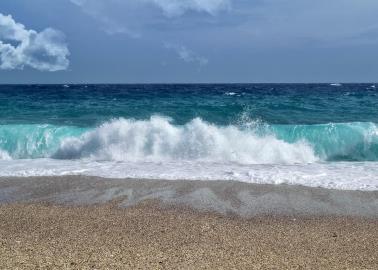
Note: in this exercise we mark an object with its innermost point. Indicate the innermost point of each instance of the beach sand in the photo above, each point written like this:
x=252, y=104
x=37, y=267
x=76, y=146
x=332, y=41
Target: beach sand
x=89, y=223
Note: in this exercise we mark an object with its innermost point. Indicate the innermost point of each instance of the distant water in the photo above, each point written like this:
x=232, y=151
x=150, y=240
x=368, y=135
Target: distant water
x=310, y=134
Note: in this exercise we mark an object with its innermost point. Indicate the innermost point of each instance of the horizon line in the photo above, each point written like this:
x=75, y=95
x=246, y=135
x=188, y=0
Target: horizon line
x=183, y=83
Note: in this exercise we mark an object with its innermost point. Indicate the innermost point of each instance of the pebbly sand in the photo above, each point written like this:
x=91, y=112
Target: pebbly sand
x=93, y=223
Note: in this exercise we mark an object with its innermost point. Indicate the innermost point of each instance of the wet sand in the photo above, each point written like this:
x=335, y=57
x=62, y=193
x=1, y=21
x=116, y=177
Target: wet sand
x=92, y=223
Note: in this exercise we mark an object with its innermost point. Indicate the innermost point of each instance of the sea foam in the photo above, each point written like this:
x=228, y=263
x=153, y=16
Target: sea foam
x=156, y=148
x=4, y=155
x=335, y=175
x=157, y=140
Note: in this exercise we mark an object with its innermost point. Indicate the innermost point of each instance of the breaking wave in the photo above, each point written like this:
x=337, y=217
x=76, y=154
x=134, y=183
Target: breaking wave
x=158, y=139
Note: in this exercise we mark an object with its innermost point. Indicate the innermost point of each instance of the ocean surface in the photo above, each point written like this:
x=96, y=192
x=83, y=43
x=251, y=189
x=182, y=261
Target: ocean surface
x=320, y=135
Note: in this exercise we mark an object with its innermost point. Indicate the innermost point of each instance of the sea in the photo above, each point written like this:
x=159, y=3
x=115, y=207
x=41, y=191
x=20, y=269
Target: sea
x=317, y=135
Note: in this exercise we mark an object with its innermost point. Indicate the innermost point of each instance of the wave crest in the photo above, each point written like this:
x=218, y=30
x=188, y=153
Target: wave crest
x=157, y=139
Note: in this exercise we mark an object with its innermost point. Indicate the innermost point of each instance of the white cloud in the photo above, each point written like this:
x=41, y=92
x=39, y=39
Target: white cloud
x=20, y=47
x=187, y=55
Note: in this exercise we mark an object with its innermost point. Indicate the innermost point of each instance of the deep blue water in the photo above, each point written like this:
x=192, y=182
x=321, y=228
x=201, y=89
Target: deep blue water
x=90, y=105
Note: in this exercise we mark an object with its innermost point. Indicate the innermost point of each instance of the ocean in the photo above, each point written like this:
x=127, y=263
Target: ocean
x=317, y=135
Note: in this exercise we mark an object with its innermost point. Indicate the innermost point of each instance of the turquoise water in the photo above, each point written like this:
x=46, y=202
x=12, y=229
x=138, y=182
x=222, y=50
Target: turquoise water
x=304, y=134
x=331, y=142
x=336, y=123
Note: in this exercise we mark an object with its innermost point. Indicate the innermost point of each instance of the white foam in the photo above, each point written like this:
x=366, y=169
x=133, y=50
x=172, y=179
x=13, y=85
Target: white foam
x=4, y=155
x=158, y=140
x=343, y=175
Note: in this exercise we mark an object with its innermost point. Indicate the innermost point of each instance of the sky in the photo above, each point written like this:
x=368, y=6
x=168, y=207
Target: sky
x=188, y=41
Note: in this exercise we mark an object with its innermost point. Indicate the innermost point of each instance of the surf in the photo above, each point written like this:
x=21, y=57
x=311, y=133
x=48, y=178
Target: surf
x=159, y=139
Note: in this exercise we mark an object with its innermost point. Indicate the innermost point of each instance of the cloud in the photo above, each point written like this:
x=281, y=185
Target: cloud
x=78, y=2
x=111, y=27
x=98, y=10
x=187, y=55
x=134, y=17
x=172, y=8
x=322, y=23
x=20, y=47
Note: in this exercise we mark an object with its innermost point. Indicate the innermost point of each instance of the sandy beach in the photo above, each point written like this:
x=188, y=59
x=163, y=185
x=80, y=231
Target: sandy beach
x=91, y=223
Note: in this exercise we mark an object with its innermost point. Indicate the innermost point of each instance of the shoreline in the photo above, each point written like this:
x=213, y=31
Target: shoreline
x=223, y=197
x=76, y=222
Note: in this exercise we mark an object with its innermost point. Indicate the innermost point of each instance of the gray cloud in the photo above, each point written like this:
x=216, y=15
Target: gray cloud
x=284, y=23
x=134, y=17
x=173, y=8
x=273, y=23
x=20, y=47
x=98, y=9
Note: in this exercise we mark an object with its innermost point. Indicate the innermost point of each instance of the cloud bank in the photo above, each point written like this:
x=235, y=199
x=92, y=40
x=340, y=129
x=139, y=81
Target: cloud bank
x=133, y=17
x=20, y=47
